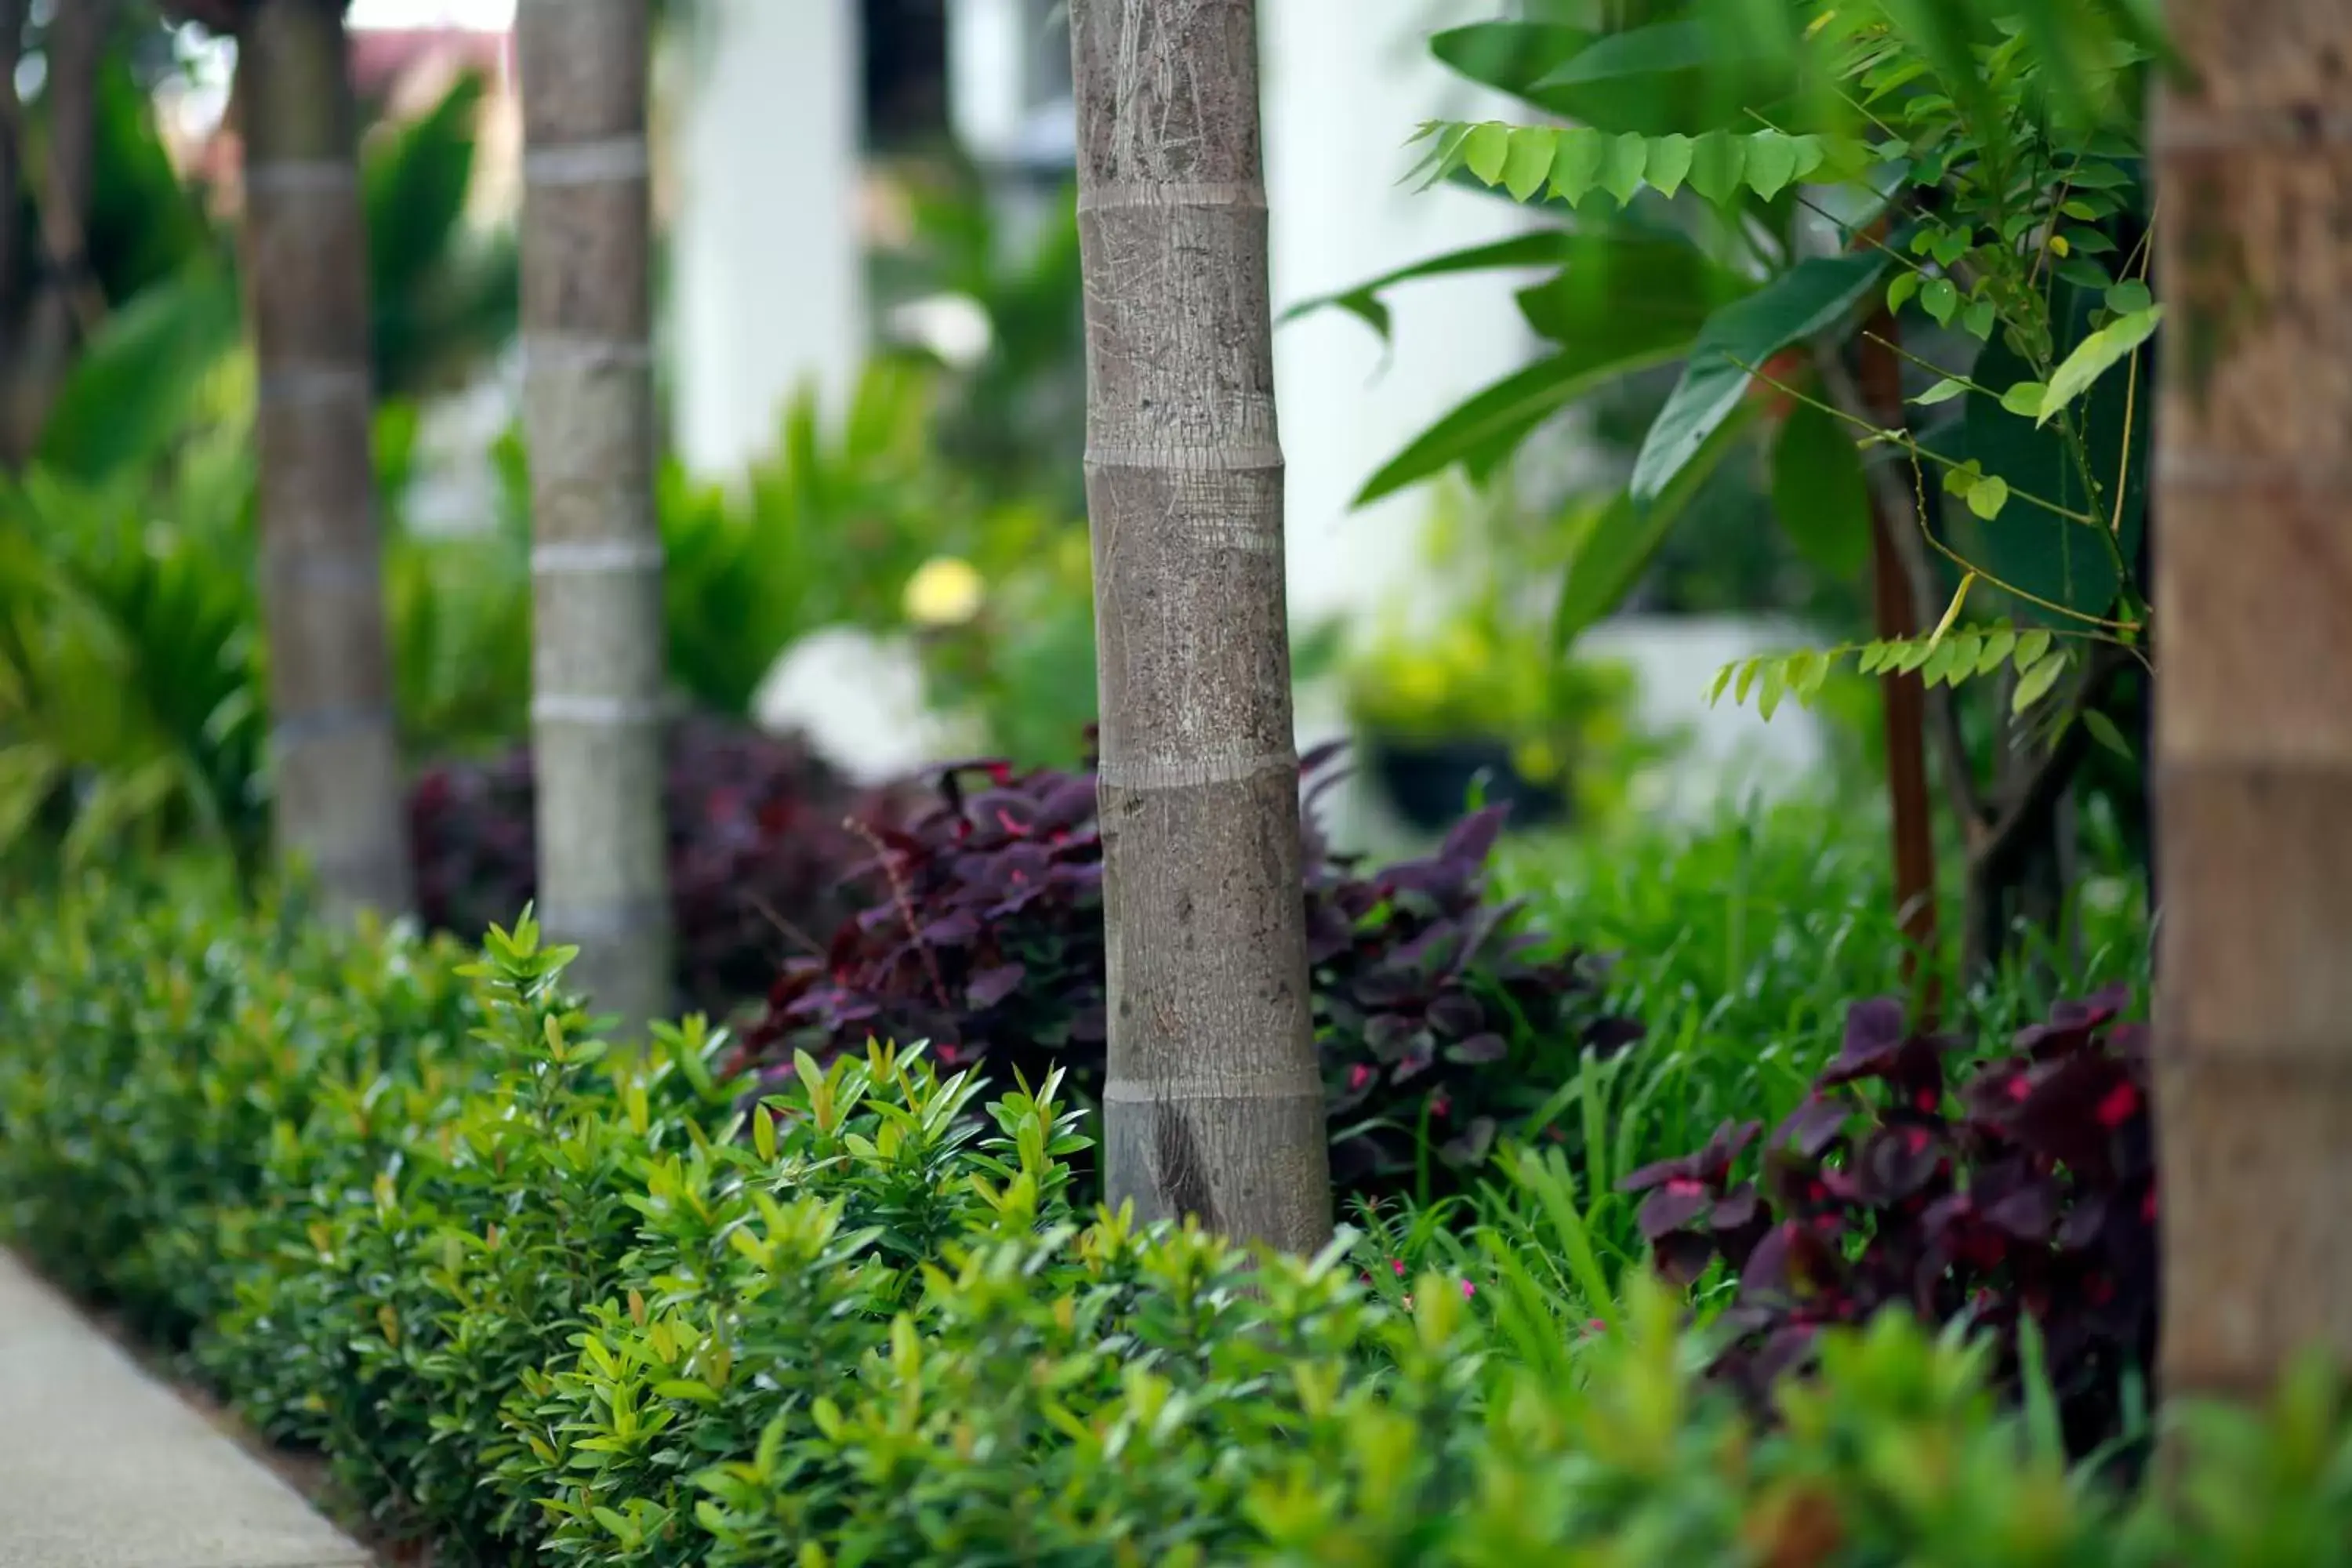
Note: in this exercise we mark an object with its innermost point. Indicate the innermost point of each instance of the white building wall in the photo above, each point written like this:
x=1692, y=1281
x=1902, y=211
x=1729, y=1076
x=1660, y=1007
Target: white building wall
x=768, y=286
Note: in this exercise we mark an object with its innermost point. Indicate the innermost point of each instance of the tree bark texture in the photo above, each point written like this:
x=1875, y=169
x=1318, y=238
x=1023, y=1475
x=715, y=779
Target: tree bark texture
x=2254, y=160
x=598, y=711
x=335, y=761
x=61, y=300
x=1214, y=1104
x=1902, y=698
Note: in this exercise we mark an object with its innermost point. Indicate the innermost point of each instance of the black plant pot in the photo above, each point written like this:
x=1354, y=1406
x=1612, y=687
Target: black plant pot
x=1429, y=781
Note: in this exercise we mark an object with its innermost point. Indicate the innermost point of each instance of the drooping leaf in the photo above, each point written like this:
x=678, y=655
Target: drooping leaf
x=1545, y=247
x=1620, y=544
x=1801, y=301
x=1510, y=56
x=1684, y=76
x=2093, y=357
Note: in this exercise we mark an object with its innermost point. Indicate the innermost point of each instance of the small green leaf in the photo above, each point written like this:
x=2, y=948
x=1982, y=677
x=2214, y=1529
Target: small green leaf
x=1943, y=391
x=1988, y=496
x=1980, y=318
x=1952, y=610
x=2130, y=298
x=1997, y=647
x=1811, y=152
x=1939, y=664
x=2030, y=646
x=1577, y=165
x=1722, y=682
x=1621, y=171
x=1771, y=164
x=2103, y=730
x=2036, y=682
x=1528, y=163
x=1900, y=291
x=1670, y=162
x=1776, y=685
x=2094, y=356
x=1747, y=680
x=1717, y=161
x=1485, y=149
x=1941, y=298
x=2024, y=399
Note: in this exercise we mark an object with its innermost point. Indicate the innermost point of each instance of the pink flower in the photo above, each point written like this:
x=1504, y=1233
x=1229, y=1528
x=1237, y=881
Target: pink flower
x=1397, y=1264
x=1359, y=1076
x=1468, y=1289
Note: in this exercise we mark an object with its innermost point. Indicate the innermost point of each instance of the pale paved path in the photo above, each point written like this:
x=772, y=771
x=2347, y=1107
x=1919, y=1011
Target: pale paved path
x=101, y=1466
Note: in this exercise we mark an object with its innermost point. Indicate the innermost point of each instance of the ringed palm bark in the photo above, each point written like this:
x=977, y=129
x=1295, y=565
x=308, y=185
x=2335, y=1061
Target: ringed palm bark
x=2253, y=565
x=598, y=674
x=1214, y=1105
x=334, y=764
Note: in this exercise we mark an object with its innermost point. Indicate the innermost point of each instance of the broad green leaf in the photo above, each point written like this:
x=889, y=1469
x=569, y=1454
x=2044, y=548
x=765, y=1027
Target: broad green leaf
x=1819, y=493
x=1620, y=543
x=1670, y=162
x=1622, y=285
x=1687, y=75
x=1576, y=166
x=1500, y=416
x=2094, y=356
x=1528, y=163
x=2024, y=399
x=1484, y=150
x=1806, y=300
x=1511, y=56
x=2069, y=563
x=133, y=387
x=1620, y=169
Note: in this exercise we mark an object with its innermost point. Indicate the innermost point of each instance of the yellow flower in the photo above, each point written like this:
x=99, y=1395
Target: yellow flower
x=944, y=592
x=1536, y=762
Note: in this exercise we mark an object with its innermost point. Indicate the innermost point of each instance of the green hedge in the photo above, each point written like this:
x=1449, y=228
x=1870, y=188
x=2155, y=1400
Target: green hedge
x=534, y=1301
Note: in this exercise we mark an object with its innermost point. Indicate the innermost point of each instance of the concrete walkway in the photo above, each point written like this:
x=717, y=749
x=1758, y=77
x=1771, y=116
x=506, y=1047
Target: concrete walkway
x=101, y=1466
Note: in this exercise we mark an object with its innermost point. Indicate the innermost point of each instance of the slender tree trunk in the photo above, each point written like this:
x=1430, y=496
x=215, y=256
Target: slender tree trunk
x=2254, y=161
x=598, y=711
x=67, y=302
x=1214, y=1105
x=335, y=761
x=1902, y=697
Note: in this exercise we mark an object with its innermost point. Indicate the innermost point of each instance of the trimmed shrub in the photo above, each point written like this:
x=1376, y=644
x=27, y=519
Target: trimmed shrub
x=539, y=1302
x=1441, y=1026
x=762, y=862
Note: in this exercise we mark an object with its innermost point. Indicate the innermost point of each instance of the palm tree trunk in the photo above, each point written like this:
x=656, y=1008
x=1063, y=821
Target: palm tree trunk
x=335, y=761
x=1214, y=1104
x=2254, y=709
x=598, y=711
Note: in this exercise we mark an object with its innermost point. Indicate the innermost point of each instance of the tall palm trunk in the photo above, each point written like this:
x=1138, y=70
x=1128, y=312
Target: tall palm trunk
x=597, y=713
x=335, y=763
x=2254, y=711
x=1213, y=1106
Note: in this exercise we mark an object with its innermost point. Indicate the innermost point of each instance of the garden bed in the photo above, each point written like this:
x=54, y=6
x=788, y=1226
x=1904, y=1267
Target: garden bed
x=531, y=1302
